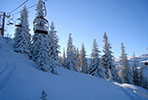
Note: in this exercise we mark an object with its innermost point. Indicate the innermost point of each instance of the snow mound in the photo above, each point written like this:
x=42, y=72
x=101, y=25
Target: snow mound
x=20, y=80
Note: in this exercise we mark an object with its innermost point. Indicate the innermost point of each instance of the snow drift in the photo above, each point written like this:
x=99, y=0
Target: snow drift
x=20, y=80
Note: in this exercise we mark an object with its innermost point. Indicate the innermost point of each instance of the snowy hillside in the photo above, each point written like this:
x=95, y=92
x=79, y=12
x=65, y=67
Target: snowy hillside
x=20, y=80
x=140, y=59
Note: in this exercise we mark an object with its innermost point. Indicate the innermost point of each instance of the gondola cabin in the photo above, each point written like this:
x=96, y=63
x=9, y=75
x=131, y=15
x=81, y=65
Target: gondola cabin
x=41, y=25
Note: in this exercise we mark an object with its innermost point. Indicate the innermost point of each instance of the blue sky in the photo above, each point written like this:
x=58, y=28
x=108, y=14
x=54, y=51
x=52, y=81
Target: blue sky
x=124, y=21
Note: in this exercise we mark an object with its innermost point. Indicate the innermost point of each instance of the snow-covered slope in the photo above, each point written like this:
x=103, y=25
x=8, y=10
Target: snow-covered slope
x=140, y=59
x=20, y=80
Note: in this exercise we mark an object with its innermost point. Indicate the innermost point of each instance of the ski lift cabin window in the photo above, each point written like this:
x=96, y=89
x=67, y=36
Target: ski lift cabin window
x=41, y=25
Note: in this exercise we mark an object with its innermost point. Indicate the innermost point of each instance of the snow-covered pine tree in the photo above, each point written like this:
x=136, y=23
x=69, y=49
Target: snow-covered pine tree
x=134, y=61
x=78, y=60
x=145, y=81
x=61, y=60
x=53, y=44
x=83, y=60
x=64, y=58
x=125, y=73
x=22, y=36
x=107, y=60
x=95, y=68
x=44, y=95
x=40, y=44
x=135, y=71
x=71, y=60
x=139, y=76
x=40, y=53
x=142, y=77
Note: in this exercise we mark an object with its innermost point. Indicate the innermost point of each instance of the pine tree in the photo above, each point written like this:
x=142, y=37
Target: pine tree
x=144, y=81
x=40, y=45
x=40, y=53
x=71, y=60
x=125, y=73
x=44, y=95
x=78, y=60
x=142, y=78
x=139, y=76
x=134, y=61
x=61, y=60
x=22, y=36
x=135, y=71
x=107, y=60
x=64, y=58
x=83, y=60
x=95, y=68
x=53, y=44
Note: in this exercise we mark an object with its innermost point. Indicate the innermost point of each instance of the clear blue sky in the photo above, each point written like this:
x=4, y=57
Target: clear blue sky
x=124, y=21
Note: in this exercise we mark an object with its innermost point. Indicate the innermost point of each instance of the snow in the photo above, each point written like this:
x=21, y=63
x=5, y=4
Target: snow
x=140, y=62
x=20, y=80
x=132, y=91
x=140, y=59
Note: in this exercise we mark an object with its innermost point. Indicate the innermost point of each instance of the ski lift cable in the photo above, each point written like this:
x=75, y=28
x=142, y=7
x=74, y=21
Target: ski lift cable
x=32, y=6
x=29, y=7
x=12, y=18
x=18, y=7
